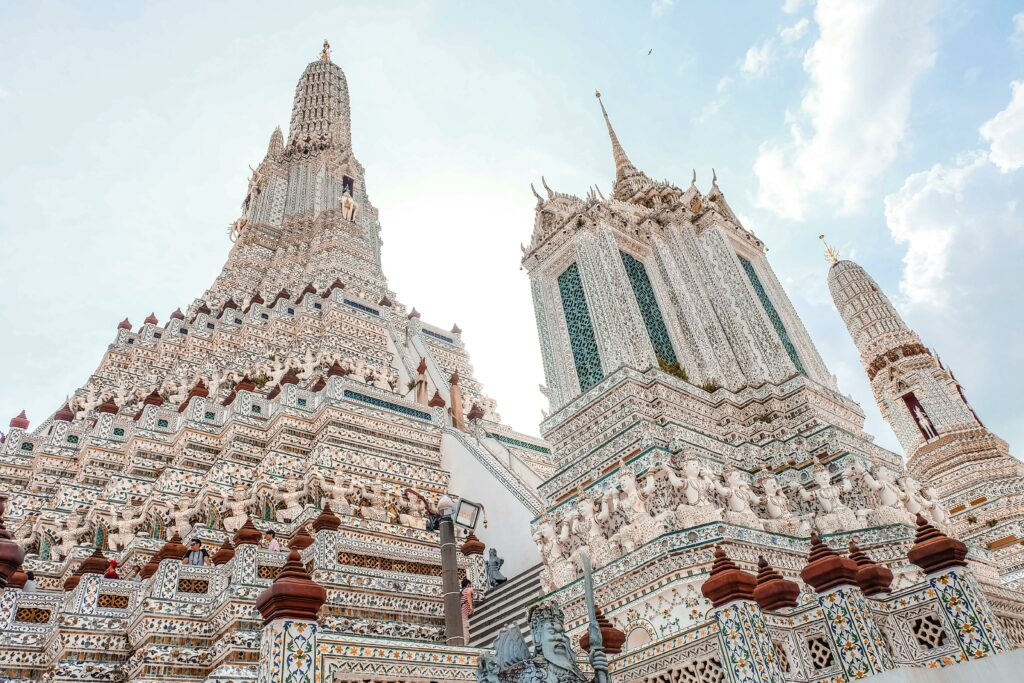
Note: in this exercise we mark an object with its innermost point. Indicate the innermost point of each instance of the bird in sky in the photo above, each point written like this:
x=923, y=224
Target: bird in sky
x=650, y=51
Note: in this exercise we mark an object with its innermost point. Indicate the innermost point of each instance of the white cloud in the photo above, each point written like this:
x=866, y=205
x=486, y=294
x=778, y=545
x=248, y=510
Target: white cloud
x=852, y=121
x=925, y=214
x=1005, y=131
x=961, y=224
x=658, y=7
x=1018, y=29
x=723, y=84
x=791, y=34
x=960, y=204
x=758, y=59
x=792, y=6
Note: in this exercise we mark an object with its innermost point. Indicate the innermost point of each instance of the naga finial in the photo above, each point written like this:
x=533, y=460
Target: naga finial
x=551, y=193
x=325, y=54
x=714, y=176
x=693, y=180
x=830, y=253
x=534, y=190
x=597, y=94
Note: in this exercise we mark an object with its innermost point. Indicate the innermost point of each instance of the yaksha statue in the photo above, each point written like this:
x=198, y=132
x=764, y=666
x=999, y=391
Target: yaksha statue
x=553, y=660
x=493, y=568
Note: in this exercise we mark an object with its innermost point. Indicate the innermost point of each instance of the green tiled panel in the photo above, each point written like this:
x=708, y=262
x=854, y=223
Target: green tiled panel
x=773, y=315
x=649, y=309
x=581, y=331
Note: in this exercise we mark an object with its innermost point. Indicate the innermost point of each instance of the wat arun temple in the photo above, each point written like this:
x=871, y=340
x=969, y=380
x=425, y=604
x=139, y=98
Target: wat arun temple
x=704, y=506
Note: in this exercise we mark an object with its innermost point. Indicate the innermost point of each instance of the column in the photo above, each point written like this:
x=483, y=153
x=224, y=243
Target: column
x=743, y=635
x=848, y=621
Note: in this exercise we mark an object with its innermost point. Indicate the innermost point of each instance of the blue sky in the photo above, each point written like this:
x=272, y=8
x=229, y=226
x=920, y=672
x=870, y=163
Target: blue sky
x=895, y=128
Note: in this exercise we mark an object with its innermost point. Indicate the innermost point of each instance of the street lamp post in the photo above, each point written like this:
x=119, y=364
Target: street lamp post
x=465, y=514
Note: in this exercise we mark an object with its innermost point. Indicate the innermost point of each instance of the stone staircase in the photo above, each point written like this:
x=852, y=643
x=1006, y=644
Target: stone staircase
x=505, y=604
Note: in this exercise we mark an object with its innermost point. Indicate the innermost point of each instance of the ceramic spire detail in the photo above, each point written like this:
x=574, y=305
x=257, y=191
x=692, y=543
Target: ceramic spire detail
x=628, y=179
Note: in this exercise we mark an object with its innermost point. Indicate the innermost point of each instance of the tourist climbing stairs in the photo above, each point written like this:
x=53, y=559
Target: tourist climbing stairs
x=505, y=604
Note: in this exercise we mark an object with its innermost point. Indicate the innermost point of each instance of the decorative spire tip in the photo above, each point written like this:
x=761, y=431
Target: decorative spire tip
x=325, y=54
x=830, y=253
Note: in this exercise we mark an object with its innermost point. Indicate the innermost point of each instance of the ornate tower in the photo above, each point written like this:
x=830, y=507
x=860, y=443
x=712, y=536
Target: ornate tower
x=687, y=397
x=298, y=381
x=946, y=443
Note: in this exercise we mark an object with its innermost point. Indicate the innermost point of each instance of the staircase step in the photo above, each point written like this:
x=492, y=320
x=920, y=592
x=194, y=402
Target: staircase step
x=508, y=603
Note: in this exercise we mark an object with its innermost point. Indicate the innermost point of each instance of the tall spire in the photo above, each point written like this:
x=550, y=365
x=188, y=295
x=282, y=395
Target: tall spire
x=623, y=166
x=625, y=171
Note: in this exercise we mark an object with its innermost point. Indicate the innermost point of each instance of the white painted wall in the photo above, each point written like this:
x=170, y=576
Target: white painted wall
x=508, y=519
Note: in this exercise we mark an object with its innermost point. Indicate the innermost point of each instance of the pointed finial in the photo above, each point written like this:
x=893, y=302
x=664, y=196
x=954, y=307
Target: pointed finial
x=534, y=190
x=551, y=193
x=714, y=176
x=693, y=180
x=623, y=166
x=325, y=54
x=830, y=253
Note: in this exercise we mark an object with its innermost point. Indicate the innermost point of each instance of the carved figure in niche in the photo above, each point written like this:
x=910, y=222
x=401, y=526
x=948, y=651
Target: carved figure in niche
x=290, y=495
x=740, y=499
x=697, y=487
x=185, y=508
x=412, y=509
x=547, y=540
x=372, y=503
x=924, y=501
x=587, y=506
x=236, y=507
x=492, y=566
x=938, y=512
x=349, y=206
x=27, y=532
x=923, y=421
x=68, y=537
x=780, y=518
x=123, y=527
x=834, y=515
x=891, y=499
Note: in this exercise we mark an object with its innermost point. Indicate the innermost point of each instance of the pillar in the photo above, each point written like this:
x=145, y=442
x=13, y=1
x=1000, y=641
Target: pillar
x=289, y=607
x=458, y=420
x=743, y=635
x=966, y=610
x=421, y=382
x=450, y=584
x=848, y=622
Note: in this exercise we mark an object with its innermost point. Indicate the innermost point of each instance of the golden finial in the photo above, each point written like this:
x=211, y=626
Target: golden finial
x=597, y=94
x=830, y=253
x=325, y=55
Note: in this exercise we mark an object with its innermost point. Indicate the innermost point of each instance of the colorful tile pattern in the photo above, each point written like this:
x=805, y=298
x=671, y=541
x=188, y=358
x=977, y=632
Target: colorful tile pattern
x=746, y=647
x=854, y=633
x=288, y=652
x=969, y=615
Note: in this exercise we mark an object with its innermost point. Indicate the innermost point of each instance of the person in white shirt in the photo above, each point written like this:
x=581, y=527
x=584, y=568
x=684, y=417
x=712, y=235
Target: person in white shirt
x=30, y=582
x=270, y=537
